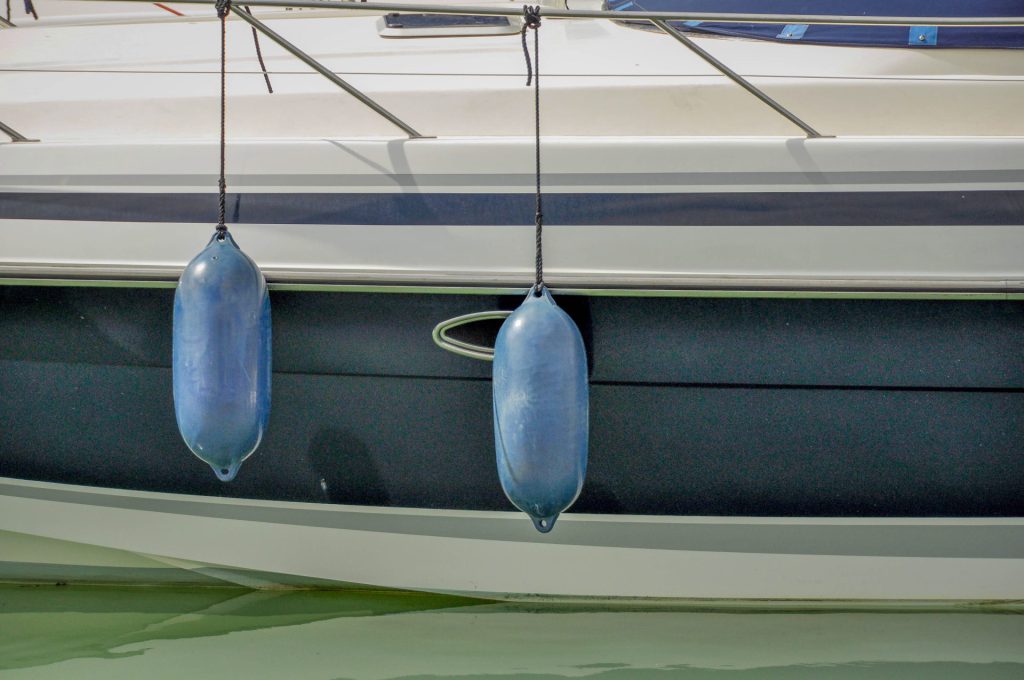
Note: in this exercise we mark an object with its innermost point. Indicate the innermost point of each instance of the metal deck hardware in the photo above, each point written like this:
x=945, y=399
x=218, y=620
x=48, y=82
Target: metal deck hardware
x=516, y=10
x=737, y=78
x=460, y=347
x=14, y=134
x=324, y=71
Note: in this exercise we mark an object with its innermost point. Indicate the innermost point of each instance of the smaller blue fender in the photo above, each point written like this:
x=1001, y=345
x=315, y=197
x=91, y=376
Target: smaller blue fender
x=221, y=356
x=541, y=409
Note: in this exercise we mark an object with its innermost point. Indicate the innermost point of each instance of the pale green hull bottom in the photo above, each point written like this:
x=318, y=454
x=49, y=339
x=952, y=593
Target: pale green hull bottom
x=55, y=533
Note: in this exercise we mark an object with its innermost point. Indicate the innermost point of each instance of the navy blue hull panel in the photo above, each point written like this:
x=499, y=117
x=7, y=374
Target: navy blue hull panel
x=768, y=208
x=899, y=8
x=700, y=407
x=894, y=344
x=908, y=35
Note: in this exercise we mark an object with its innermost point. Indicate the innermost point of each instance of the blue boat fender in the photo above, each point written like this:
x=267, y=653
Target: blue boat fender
x=221, y=356
x=541, y=408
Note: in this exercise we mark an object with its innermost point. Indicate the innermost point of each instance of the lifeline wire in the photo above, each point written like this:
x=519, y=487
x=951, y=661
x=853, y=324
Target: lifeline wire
x=531, y=20
x=223, y=8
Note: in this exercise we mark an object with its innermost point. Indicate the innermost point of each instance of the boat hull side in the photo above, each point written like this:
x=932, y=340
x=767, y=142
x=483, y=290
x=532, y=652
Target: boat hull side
x=906, y=214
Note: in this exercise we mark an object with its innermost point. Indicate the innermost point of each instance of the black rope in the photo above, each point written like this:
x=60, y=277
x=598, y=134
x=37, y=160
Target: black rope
x=259, y=54
x=223, y=9
x=531, y=20
x=8, y=11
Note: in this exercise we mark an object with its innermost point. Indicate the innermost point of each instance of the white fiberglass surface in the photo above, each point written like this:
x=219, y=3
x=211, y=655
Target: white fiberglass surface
x=158, y=80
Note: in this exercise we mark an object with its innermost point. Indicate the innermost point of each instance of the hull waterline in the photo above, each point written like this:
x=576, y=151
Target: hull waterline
x=498, y=555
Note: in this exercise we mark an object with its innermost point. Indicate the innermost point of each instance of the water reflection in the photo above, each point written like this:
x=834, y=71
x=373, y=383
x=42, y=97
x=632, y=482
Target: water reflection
x=79, y=632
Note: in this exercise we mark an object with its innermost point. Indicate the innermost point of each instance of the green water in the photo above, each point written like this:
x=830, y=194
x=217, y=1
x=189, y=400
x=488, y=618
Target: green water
x=93, y=632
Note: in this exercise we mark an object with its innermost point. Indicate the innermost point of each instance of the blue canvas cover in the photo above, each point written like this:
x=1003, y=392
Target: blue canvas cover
x=913, y=35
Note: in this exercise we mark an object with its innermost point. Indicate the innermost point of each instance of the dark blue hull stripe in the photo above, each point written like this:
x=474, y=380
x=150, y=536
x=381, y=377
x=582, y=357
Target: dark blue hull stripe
x=839, y=208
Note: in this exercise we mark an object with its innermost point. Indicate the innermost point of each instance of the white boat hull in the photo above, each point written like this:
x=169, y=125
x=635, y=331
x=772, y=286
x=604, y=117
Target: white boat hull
x=910, y=214
x=659, y=171
x=661, y=177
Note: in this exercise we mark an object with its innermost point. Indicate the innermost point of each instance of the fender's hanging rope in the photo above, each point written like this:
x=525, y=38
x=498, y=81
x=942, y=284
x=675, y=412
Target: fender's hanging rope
x=29, y=9
x=259, y=54
x=223, y=9
x=531, y=20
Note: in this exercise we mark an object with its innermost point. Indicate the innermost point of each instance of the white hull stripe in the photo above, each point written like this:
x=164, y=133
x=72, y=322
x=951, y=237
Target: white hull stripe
x=975, y=538
x=681, y=181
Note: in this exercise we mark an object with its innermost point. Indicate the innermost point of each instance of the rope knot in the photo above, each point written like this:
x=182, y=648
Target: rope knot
x=531, y=17
x=223, y=8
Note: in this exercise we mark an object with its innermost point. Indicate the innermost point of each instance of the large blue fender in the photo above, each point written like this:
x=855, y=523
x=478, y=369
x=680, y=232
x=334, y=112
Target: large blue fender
x=541, y=409
x=221, y=356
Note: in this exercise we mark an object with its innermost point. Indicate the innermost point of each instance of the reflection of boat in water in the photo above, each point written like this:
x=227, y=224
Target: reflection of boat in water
x=376, y=635
x=48, y=626
x=806, y=353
